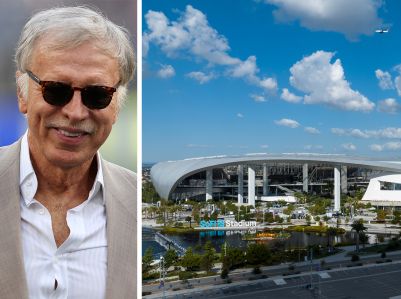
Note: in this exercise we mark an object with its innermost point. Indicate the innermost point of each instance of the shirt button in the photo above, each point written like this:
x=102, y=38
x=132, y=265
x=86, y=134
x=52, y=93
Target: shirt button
x=41, y=211
x=29, y=184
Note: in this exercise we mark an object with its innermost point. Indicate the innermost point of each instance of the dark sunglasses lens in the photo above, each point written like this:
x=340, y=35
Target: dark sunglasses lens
x=56, y=93
x=97, y=97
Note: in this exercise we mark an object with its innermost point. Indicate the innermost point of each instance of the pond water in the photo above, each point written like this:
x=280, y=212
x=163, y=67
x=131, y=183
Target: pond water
x=198, y=239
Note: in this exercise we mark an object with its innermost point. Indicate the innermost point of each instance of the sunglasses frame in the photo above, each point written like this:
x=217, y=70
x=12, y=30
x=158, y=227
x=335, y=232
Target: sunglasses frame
x=87, y=102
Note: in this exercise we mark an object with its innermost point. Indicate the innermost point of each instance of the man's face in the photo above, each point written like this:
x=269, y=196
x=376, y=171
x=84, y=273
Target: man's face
x=70, y=135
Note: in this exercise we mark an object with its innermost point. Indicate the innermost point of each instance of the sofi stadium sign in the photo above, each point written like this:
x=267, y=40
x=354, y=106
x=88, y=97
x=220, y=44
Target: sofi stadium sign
x=226, y=223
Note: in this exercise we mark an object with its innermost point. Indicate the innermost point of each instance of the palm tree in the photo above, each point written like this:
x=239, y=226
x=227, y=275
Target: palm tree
x=152, y=210
x=358, y=227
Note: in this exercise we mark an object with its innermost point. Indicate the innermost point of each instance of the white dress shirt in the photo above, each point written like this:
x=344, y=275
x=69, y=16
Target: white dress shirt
x=77, y=269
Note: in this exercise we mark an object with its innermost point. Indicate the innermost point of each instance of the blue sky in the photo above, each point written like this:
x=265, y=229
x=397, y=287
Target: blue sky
x=271, y=76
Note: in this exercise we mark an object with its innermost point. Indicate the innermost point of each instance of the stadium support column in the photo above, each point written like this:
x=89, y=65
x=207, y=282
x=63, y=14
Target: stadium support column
x=251, y=186
x=305, y=178
x=240, y=172
x=344, y=181
x=265, y=180
x=336, y=189
x=209, y=184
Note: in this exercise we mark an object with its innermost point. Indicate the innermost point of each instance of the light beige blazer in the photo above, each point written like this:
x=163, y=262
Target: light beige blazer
x=120, y=187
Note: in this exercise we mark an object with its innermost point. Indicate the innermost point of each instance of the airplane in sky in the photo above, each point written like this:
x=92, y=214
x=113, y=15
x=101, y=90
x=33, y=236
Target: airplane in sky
x=382, y=30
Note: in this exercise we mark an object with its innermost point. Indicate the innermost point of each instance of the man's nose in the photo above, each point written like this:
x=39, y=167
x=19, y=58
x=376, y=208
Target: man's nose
x=75, y=110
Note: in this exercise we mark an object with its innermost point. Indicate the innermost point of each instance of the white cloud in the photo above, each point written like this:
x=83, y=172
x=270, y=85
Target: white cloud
x=376, y=147
x=191, y=36
x=351, y=18
x=397, y=82
x=190, y=33
x=285, y=122
x=191, y=145
x=350, y=132
x=166, y=71
x=264, y=146
x=201, y=77
x=325, y=83
x=270, y=84
x=312, y=130
x=248, y=70
x=390, y=133
x=311, y=147
x=391, y=146
x=240, y=115
x=385, y=81
x=349, y=147
x=338, y=131
x=258, y=98
x=287, y=96
x=389, y=105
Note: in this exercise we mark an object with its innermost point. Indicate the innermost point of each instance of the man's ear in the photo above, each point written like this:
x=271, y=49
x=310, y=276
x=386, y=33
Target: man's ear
x=115, y=115
x=22, y=101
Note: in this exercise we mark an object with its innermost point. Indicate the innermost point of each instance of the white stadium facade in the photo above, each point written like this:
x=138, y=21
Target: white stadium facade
x=274, y=177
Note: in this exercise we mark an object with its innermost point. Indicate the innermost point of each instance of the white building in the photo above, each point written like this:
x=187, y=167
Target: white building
x=384, y=191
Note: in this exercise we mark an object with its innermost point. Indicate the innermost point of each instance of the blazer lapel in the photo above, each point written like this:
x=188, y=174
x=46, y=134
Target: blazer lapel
x=12, y=275
x=121, y=237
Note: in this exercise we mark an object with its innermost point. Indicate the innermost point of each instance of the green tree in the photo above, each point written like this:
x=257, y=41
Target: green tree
x=363, y=238
x=147, y=261
x=170, y=258
x=308, y=219
x=257, y=254
x=190, y=261
x=381, y=215
x=214, y=215
x=288, y=211
x=152, y=210
x=397, y=217
x=269, y=218
x=207, y=259
x=358, y=227
x=233, y=258
x=196, y=213
x=149, y=194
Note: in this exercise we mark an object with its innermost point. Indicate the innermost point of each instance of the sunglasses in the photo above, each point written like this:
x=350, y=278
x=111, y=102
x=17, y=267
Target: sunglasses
x=60, y=94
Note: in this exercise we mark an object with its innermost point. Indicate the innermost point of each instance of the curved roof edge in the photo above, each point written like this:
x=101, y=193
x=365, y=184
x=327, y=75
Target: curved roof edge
x=166, y=175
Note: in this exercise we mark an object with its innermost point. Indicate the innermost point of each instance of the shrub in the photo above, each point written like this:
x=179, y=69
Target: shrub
x=184, y=275
x=146, y=293
x=224, y=273
x=256, y=270
x=354, y=258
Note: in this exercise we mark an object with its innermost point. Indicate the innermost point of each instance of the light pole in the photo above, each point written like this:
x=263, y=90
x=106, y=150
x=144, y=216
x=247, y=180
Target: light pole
x=162, y=276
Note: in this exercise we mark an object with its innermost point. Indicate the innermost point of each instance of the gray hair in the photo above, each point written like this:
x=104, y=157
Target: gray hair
x=69, y=28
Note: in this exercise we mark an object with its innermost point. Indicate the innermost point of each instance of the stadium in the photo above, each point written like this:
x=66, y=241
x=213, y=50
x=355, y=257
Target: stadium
x=269, y=177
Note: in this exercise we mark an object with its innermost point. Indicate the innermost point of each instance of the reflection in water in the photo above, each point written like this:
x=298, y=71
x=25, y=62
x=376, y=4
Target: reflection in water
x=198, y=239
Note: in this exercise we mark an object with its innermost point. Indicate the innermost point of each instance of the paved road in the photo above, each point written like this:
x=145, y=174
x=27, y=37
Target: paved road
x=339, y=261
x=375, y=281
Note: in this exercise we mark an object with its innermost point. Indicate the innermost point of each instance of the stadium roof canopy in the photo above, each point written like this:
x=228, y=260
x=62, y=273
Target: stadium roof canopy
x=167, y=175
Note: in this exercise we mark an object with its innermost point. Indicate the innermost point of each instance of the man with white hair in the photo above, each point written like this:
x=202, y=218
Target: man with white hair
x=67, y=217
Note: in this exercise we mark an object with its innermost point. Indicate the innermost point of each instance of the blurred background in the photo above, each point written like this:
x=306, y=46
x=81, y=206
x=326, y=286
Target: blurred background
x=121, y=146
